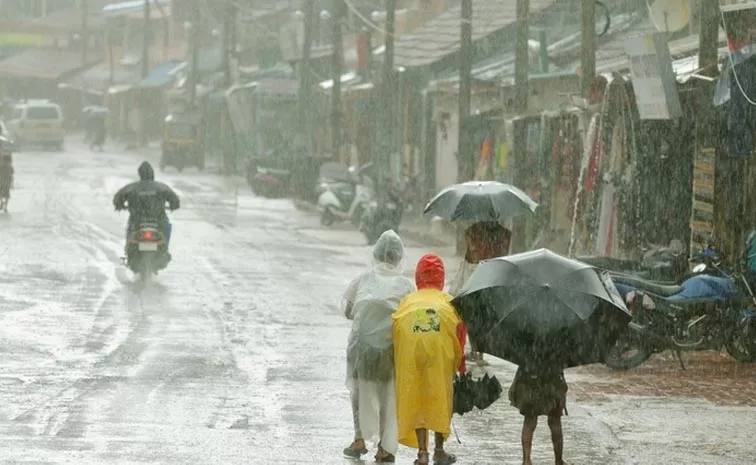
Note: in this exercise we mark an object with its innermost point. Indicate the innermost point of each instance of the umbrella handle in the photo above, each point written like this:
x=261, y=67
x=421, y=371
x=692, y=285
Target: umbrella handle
x=455, y=431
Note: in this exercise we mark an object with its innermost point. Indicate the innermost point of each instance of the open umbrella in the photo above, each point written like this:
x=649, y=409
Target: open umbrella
x=540, y=307
x=480, y=201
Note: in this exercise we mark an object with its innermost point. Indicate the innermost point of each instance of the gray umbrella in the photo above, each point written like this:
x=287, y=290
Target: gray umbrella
x=539, y=306
x=481, y=201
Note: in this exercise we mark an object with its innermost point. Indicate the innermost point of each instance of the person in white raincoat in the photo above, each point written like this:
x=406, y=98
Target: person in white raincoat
x=370, y=300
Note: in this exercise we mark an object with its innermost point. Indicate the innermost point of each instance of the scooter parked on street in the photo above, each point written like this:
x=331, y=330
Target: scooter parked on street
x=345, y=199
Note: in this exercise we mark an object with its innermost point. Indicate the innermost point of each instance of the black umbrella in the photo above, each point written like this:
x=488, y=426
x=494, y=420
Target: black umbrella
x=480, y=201
x=464, y=393
x=470, y=392
x=540, y=307
x=488, y=391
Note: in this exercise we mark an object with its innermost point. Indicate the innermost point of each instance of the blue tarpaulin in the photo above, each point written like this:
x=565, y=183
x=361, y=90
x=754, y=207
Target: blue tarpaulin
x=163, y=75
x=697, y=287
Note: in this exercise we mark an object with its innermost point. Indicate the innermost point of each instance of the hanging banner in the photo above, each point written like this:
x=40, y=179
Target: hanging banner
x=702, y=213
x=653, y=77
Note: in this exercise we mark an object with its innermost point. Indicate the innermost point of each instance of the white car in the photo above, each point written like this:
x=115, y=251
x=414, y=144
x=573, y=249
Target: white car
x=37, y=122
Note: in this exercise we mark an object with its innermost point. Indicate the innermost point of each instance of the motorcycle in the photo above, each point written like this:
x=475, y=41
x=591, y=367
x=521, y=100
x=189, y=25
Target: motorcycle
x=342, y=200
x=147, y=250
x=666, y=265
x=659, y=263
x=705, y=312
x=376, y=220
x=268, y=182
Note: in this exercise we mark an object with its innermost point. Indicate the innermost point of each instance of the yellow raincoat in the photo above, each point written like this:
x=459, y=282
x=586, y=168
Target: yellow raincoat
x=426, y=356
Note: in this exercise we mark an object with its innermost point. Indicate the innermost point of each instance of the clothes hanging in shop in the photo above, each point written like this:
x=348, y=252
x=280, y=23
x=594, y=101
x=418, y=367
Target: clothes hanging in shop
x=741, y=112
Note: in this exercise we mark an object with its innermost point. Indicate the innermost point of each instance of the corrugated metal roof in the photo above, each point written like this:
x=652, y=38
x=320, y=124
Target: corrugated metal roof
x=564, y=48
x=69, y=20
x=440, y=36
x=612, y=56
x=45, y=63
x=97, y=78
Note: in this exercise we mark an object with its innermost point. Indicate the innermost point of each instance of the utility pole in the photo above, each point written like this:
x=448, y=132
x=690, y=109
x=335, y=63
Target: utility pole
x=84, y=31
x=305, y=79
x=336, y=69
x=146, y=36
x=229, y=19
x=465, y=163
x=588, y=44
x=465, y=171
x=729, y=172
x=522, y=60
x=522, y=67
x=194, y=47
x=145, y=62
x=386, y=146
x=304, y=102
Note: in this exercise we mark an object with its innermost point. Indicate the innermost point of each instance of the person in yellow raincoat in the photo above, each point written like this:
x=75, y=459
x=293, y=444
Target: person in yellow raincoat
x=427, y=354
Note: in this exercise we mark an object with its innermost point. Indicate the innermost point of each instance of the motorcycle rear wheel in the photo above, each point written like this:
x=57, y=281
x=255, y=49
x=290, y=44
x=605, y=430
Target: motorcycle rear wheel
x=617, y=360
x=740, y=344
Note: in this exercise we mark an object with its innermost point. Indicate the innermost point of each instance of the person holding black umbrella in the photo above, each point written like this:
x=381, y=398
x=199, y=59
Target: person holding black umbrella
x=484, y=240
x=545, y=313
x=540, y=390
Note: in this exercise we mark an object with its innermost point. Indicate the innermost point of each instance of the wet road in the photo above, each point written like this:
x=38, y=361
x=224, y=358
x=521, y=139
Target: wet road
x=234, y=354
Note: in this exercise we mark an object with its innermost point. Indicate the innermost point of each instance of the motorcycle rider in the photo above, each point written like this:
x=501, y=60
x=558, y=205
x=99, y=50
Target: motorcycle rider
x=146, y=200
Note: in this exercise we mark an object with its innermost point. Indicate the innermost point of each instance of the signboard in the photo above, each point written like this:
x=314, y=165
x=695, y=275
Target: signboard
x=653, y=77
x=702, y=213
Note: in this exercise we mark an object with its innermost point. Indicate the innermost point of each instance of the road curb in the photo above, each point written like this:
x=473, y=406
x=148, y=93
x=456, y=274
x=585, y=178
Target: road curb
x=304, y=205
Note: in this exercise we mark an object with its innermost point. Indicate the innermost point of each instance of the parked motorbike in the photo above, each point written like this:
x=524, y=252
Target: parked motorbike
x=345, y=199
x=376, y=220
x=665, y=265
x=269, y=182
x=659, y=263
x=705, y=312
x=147, y=250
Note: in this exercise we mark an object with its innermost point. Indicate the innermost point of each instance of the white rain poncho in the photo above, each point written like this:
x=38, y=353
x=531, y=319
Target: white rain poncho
x=370, y=301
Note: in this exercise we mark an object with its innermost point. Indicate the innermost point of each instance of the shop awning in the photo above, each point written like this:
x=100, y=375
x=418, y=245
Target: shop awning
x=44, y=63
x=163, y=75
x=126, y=8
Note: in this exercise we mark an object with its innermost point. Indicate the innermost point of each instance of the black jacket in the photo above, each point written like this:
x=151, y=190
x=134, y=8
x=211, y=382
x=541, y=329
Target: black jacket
x=146, y=200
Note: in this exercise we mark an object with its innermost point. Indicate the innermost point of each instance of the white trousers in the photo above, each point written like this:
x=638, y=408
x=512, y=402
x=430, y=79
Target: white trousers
x=377, y=413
